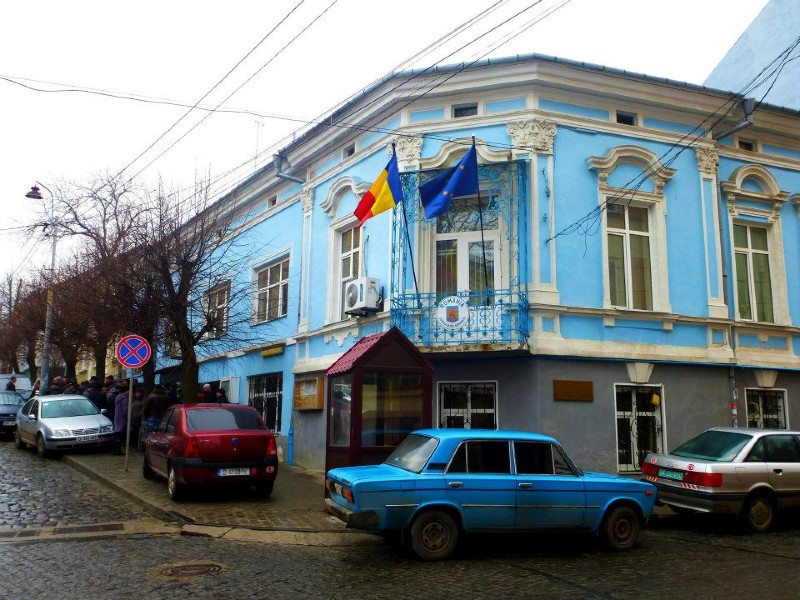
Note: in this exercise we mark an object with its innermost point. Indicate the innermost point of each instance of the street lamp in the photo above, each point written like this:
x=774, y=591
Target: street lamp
x=35, y=194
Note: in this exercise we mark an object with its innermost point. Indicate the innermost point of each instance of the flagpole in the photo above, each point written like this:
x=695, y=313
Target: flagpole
x=483, y=242
x=410, y=251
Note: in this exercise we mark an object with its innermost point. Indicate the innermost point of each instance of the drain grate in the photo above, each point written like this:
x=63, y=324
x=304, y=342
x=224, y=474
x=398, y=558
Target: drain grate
x=28, y=533
x=190, y=569
x=89, y=528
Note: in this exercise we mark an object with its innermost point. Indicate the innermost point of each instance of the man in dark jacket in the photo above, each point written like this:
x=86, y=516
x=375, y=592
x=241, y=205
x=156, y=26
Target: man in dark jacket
x=57, y=387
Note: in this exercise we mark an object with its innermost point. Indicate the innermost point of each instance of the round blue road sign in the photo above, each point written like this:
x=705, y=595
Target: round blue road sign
x=133, y=351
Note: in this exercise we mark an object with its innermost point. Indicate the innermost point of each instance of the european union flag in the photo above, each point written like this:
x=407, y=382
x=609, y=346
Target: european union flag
x=461, y=180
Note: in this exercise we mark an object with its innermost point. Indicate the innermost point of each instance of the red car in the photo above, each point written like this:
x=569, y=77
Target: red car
x=216, y=444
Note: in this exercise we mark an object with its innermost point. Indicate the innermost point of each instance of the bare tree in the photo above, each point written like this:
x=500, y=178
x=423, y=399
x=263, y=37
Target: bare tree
x=191, y=249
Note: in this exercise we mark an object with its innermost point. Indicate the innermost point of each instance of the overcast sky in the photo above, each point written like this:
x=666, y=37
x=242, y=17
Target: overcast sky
x=178, y=50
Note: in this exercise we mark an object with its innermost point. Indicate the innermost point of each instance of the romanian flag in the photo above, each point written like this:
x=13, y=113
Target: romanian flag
x=461, y=180
x=382, y=195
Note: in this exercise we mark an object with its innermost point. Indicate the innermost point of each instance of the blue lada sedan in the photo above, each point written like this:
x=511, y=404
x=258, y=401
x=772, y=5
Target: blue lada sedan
x=441, y=482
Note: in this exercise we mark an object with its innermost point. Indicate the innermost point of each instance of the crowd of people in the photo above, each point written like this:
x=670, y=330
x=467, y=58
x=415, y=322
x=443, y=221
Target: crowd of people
x=111, y=395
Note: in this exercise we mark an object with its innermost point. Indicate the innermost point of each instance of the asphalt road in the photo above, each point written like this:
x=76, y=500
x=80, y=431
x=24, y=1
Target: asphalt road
x=677, y=557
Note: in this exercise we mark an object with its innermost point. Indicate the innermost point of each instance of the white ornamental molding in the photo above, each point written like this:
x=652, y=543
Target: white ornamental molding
x=408, y=147
x=707, y=159
x=307, y=198
x=340, y=188
x=537, y=135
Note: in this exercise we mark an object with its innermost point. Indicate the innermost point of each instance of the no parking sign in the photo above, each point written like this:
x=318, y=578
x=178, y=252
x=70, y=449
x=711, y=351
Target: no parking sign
x=133, y=351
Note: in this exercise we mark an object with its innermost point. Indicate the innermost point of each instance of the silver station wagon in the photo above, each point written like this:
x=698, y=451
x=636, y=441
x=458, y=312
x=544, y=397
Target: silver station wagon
x=728, y=470
x=441, y=482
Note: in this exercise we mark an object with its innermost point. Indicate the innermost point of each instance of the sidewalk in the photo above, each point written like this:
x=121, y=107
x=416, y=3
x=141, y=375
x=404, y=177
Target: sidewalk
x=294, y=513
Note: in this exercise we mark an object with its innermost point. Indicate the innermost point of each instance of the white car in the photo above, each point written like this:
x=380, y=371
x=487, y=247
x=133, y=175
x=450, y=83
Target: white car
x=729, y=470
x=62, y=422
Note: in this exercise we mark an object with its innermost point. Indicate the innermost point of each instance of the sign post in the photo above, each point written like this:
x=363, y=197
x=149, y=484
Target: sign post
x=133, y=351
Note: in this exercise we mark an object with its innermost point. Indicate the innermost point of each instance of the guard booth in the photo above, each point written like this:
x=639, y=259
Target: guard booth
x=378, y=392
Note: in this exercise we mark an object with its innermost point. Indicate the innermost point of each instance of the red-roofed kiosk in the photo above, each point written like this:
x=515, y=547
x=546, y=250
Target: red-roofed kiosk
x=378, y=391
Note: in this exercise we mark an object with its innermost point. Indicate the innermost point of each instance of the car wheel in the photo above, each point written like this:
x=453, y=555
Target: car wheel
x=264, y=490
x=41, y=449
x=174, y=488
x=18, y=443
x=147, y=472
x=758, y=513
x=434, y=535
x=621, y=528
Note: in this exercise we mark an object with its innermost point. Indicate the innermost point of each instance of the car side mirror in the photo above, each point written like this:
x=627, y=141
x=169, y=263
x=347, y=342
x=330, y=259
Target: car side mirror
x=103, y=411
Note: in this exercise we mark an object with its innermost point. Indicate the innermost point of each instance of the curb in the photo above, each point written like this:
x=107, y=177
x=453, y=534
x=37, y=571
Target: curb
x=138, y=500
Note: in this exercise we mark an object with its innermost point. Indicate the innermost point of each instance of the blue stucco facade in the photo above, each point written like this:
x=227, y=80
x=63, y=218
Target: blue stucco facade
x=618, y=310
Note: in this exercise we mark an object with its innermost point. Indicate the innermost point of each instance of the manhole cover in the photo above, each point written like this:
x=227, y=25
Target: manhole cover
x=190, y=569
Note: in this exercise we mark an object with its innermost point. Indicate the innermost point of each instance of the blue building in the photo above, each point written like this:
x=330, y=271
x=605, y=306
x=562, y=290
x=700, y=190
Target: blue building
x=627, y=276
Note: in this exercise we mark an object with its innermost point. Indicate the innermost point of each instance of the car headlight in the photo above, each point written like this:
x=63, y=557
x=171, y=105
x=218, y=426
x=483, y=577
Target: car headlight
x=60, y=433
x=106, y=429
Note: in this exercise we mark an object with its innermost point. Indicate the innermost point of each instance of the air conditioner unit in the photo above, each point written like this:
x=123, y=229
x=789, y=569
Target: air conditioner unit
x=362, y=296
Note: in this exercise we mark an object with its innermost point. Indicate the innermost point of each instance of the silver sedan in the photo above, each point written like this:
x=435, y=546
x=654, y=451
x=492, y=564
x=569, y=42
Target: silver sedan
x=747, y=472
x=62, y=422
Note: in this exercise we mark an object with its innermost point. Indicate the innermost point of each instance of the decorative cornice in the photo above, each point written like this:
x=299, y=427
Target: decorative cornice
x=795, y=199
x=648, y=161
x=536, y=135
x=707, y=159
x=337, y=191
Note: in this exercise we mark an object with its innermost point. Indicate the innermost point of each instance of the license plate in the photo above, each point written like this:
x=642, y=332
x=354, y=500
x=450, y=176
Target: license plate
x=9, y=423
x=230, y=472
x=670, y=474
x=87, y=438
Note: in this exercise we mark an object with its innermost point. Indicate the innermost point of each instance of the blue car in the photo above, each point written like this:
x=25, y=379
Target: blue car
x=440, y=482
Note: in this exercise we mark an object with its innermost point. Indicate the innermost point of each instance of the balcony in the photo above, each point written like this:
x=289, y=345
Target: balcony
x=468, y=321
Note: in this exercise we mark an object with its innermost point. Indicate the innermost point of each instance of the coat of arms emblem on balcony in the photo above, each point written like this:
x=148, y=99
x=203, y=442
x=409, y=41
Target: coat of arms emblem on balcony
x=452, y=312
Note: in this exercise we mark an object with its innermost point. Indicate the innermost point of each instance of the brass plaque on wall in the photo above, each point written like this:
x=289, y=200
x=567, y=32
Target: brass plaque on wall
x=575, y=391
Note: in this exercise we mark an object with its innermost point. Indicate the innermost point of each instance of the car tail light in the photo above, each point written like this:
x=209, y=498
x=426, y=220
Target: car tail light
x=348, y=494
x=703, y=479
x=272, y=447
x=650, y=469
x=190, y=448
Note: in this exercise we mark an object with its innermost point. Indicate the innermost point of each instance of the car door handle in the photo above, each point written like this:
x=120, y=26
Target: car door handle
x=777, y=471
x=455, y=484
x=525, y=486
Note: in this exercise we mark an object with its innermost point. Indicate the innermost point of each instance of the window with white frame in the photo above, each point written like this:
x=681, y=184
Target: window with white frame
x=766, y=409
x=467, y=248
x=468, y=405
x=630, y=276
x=216, y=310
x=272, y=290
x=349, y=266
x=753, y=281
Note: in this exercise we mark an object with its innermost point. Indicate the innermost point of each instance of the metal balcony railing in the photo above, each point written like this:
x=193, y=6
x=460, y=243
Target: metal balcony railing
x=463, y=321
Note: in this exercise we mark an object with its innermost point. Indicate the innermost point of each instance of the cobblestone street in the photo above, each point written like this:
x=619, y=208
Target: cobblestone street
x=670, y=563
x=48, y=493
x=678, y=557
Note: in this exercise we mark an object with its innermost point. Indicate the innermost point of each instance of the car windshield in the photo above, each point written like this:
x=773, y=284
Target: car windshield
x=209, y=419
x=412, y=453
x=12, y=399
x=78, y=407
x=720, y=446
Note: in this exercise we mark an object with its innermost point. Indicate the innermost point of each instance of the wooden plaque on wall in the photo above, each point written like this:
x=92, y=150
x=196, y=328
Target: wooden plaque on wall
x=575, y=391
x=309, y=394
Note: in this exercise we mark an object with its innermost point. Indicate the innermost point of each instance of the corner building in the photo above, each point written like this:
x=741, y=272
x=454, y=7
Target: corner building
x=626, y=277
